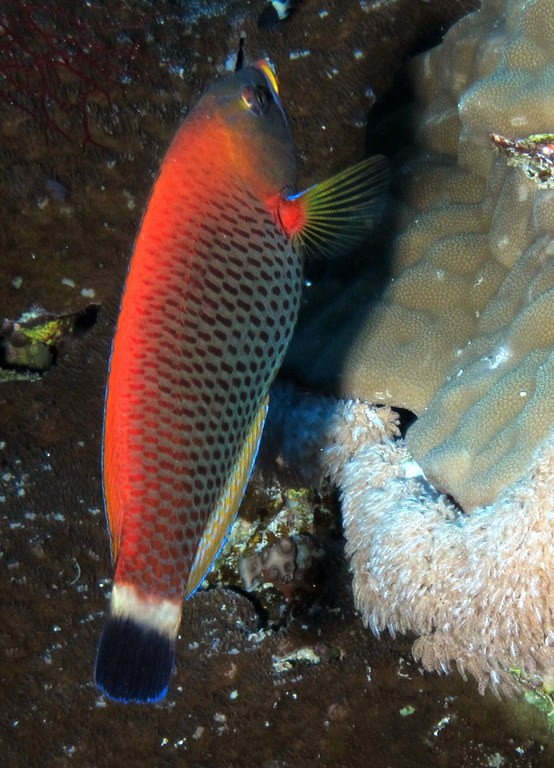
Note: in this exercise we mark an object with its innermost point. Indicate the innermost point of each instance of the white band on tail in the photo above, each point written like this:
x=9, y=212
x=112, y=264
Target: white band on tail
x=159, y=614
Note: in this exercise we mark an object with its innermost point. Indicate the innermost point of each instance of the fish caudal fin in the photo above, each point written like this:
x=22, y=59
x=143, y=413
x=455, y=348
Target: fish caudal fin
x=333, y=216
x=134, y=663
x=136, y=653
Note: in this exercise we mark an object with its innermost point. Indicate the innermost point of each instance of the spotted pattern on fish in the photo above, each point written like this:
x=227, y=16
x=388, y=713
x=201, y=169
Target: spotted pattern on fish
x=209, y=307
x=214, y=328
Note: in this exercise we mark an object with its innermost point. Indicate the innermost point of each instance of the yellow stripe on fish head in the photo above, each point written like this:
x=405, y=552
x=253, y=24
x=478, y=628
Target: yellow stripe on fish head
x=267, y=70
x=244, y=114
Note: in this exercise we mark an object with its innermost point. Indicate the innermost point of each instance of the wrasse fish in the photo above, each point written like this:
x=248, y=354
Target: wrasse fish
x=208, y=309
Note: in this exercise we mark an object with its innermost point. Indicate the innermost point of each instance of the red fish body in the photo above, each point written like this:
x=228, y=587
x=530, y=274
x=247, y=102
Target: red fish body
x=208, y=310
x=209, y=307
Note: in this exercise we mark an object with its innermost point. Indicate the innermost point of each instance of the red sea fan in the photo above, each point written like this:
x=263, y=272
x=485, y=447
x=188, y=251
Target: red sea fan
x=59, y=59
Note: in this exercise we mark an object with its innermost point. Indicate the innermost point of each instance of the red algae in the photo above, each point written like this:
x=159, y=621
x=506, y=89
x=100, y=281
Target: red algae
x=57, y=60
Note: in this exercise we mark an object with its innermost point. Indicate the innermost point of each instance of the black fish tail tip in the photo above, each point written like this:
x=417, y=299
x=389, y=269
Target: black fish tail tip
x=134, y=661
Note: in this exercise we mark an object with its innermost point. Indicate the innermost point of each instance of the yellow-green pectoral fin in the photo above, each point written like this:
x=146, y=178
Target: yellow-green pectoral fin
x=223, y=515
x=331, y=217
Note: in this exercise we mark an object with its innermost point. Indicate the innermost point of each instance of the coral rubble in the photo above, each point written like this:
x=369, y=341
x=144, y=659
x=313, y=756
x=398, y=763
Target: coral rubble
x=274, y=550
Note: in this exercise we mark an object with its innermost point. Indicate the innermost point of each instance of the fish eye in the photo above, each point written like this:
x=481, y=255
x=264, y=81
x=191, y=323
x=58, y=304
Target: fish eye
x=255, y=98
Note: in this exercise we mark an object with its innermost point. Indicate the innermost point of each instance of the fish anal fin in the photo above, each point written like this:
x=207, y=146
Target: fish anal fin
x=224, y=513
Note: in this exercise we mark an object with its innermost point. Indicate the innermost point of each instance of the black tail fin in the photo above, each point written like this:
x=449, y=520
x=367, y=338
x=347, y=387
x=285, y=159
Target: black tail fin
x=134, y=662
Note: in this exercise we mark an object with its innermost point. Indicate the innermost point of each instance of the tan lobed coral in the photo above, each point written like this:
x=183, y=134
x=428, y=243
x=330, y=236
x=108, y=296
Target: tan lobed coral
x=463, y=334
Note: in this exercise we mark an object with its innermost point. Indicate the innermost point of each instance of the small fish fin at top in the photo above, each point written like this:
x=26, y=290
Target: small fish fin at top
x=331, y=217
x=225, y=511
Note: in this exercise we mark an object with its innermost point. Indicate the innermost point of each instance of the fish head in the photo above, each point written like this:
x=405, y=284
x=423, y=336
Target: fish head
x=248, y=108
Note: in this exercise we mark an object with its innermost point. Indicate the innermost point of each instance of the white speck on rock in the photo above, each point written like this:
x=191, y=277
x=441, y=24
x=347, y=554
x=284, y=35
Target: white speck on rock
x=302, y=54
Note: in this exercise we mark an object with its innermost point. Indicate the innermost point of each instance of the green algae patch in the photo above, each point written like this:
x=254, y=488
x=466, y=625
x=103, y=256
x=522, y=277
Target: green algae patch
x=407, y=711
x=29, y=346
x=538, y=694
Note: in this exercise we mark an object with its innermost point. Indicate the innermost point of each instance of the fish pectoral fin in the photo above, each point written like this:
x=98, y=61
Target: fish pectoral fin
x=224, y=513
x=331, y=217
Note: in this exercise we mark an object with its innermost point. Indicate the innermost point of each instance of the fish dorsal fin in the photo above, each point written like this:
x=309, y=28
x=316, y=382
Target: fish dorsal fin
x=224, y=513
x=330, y=217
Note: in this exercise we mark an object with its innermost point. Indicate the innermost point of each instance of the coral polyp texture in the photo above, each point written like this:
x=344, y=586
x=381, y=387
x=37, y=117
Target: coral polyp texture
x=463, y=336
x=476, y=589
x=463, y=333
